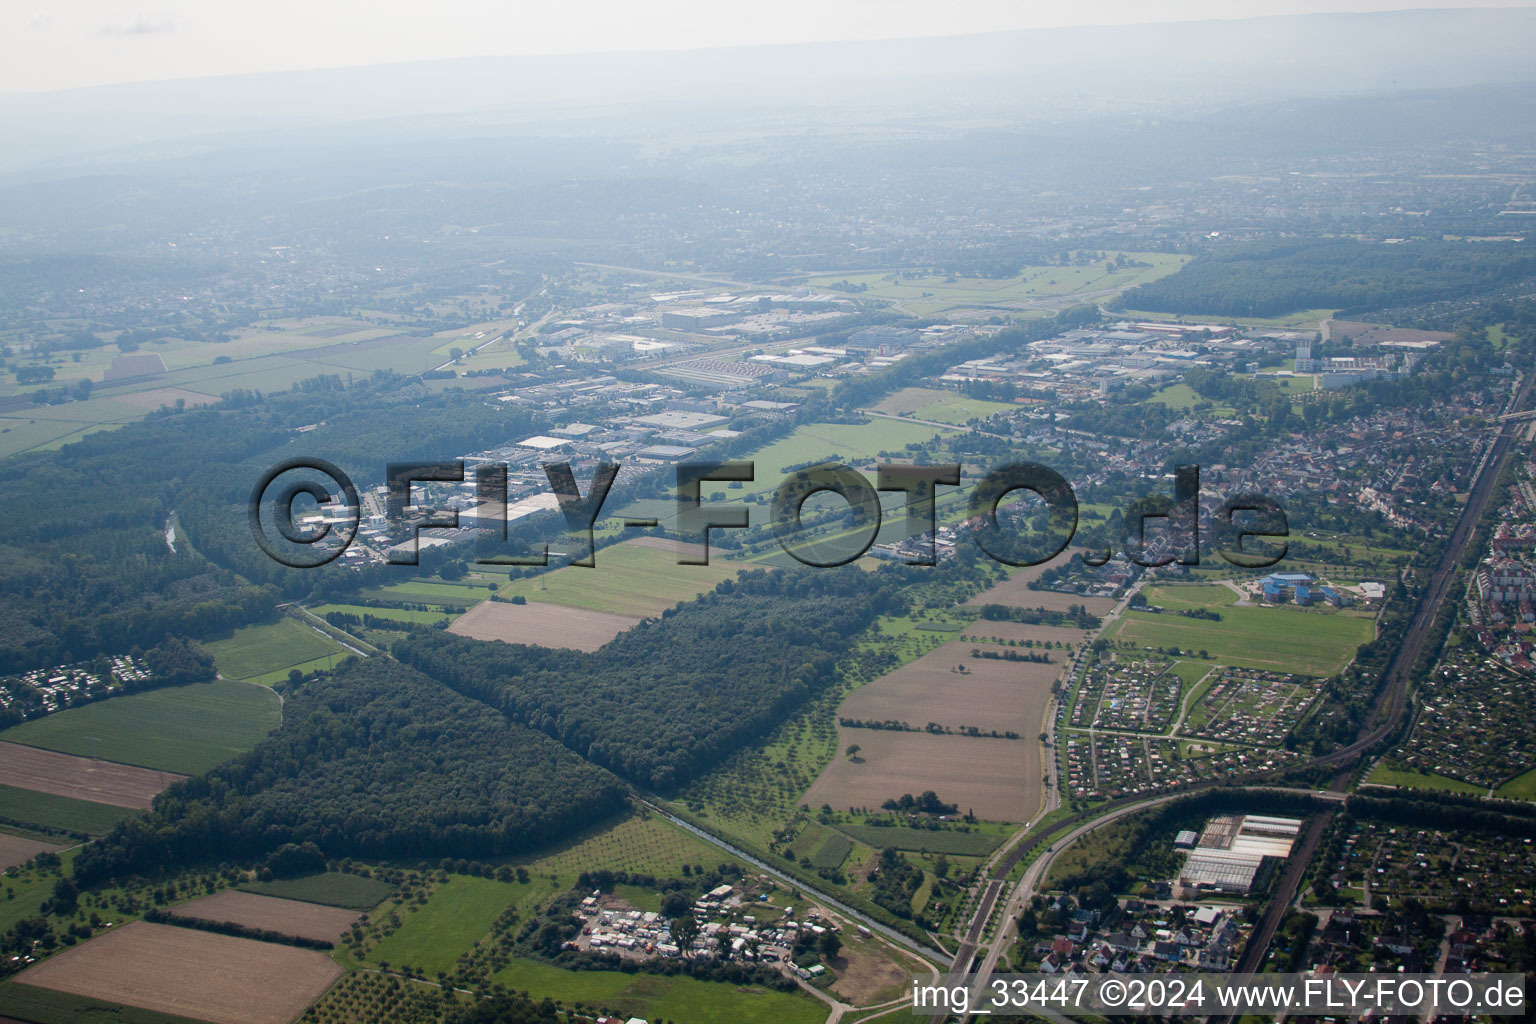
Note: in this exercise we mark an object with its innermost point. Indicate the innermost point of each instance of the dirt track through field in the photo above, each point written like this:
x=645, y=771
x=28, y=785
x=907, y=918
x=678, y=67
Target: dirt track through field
x=270, y=913
x=548, y=625
x=84, y=778
x=190, y=973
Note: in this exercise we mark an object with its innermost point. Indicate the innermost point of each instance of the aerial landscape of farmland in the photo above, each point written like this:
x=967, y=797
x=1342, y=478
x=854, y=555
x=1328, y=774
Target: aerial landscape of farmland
x=665, y=514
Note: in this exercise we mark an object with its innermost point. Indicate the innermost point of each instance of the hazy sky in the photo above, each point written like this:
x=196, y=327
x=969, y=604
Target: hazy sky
x=47, y=44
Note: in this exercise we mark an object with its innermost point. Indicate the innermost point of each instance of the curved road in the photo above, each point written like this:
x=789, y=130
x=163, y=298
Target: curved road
x=1386, y=711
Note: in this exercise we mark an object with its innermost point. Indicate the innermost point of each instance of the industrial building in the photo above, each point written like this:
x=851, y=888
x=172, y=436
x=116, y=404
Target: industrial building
x=883, y=340
x=1231, y=850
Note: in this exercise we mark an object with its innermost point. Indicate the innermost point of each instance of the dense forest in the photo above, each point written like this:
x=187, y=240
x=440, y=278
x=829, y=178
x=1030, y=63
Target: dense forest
x=375, y=761
x=671, y=697
x=1278, y=276
x=85, y=567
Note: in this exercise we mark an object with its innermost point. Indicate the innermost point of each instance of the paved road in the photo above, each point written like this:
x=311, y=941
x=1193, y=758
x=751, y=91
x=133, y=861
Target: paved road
x=1394, y=695
x=1386, y=712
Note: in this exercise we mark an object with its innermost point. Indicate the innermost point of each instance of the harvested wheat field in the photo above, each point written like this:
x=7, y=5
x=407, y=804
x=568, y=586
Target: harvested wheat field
x=548, y=625
x=83, y=778
x=19, y=849
x=988, y=695
x=191, y=973
x=999, y=780
x=269, y=913
x=1014, y=592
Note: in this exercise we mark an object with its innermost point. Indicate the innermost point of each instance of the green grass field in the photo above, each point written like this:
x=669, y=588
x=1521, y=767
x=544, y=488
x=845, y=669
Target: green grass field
x=970, y=844
x=815, y=441
x=263, y=651
x=942, y=406
x=1181, y=596
x=1190, y=671
x=832, y=852
x=1273, y=639
x=1385, y=776
x=925, y=296
x=1521, y=787
x=645, y=845
x=627, y=579
x=1178, y=396
x=45, y=1006
x=271, y=357
x=187, y=729
x=396, y=614
x=32, y=889
x=654, y=997
x=459, y=913
x=1300, y=318
x=59, y=811
x=331, y=888
x=425, y=592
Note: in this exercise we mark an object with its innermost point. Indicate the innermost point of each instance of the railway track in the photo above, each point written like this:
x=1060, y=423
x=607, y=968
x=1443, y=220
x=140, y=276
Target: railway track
x=1384, y=717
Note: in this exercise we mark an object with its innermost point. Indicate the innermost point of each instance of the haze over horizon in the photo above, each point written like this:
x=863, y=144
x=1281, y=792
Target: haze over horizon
x=97, y=43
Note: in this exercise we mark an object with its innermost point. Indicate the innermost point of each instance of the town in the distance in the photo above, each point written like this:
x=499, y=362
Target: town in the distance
x=484, y=760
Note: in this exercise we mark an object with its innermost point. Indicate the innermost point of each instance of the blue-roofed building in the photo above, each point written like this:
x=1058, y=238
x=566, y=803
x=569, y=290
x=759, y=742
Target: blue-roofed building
x=1281, y=586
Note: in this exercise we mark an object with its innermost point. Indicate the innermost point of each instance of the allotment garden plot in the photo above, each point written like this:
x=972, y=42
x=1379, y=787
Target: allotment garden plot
x=1258, y=708
x=1133, y=695
x=1137, y=725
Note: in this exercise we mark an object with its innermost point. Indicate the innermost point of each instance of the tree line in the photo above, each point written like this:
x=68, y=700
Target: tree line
x=668, y=699
x=375, y=761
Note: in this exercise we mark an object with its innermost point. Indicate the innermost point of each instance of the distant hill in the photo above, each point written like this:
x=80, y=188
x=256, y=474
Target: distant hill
x=1043, y=74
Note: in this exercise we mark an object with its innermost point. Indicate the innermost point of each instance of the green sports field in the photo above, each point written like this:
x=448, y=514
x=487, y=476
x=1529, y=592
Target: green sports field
x=1180, y=596
x=1273, y=639
x=263, y=651
x=187, y=729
